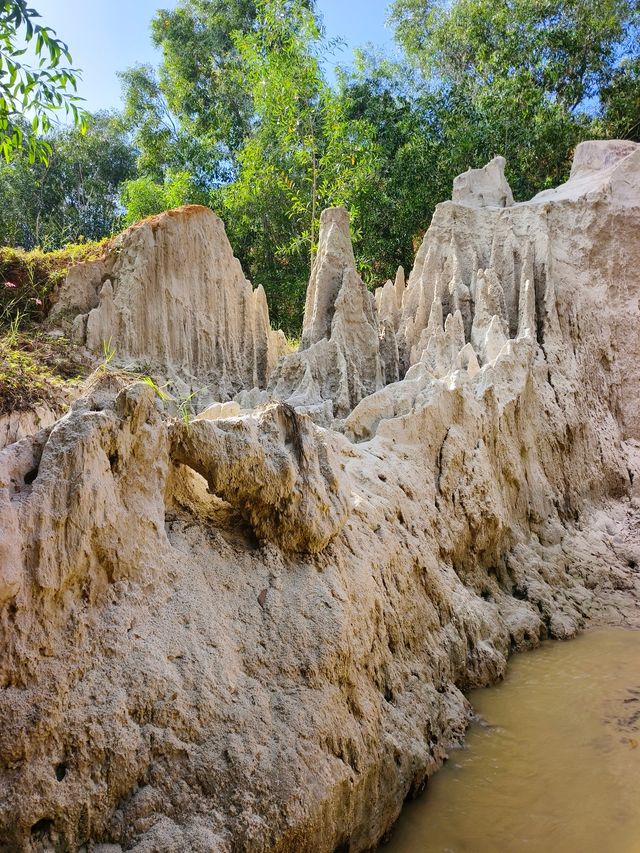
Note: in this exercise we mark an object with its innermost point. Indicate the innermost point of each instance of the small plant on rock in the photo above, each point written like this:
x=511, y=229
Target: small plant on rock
x=157, y=389
x=184, y=409
x=108, y=354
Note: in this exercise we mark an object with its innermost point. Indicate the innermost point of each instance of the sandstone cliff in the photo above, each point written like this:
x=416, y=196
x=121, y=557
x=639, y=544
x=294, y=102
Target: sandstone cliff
x=251, y=632
x=171, y=298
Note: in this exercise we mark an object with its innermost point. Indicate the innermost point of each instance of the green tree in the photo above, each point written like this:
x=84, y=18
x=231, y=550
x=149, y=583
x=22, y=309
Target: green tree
x=392, y=207
x=568, y=49
x=521, y=79
x=201, y=72
x=303, y=155
x=147, y=115
x=196, y=110
x=37, y=91
x=142, y=197
x=621, y=102
x=74, y=194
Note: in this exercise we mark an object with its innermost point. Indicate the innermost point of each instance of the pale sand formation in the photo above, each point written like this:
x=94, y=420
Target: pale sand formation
x=170, y=294
x=252, y=631
x=16, y=425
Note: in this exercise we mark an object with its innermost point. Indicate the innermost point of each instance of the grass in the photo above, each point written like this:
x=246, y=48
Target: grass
x=27, y=279
x=184, y=408
x=160, y=393
x=108, y=354
x=36, y=369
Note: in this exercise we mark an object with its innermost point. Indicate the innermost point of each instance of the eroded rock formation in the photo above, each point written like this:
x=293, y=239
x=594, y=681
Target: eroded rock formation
x=171, y=297
x=340, y=360
x=15, y=425
x=250, y=632
x=276, y=468
x=486, y=187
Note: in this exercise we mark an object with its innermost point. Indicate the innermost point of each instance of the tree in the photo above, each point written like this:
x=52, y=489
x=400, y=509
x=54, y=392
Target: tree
x=142, y=197
x=201, y=74
x=621, y=102
x=393, y=206
x=303, y=155
x=567, y=49
x=26, y=90
x=147, y=115
x=74, y=194
x=196, y=110
x=522, y=79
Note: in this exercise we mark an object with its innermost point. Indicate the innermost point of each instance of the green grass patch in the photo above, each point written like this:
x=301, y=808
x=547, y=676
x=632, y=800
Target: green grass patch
x=27, y=279
x=36, y=369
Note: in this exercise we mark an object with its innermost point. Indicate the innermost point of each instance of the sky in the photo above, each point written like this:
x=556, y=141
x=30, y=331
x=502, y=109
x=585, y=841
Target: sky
x=107, y=36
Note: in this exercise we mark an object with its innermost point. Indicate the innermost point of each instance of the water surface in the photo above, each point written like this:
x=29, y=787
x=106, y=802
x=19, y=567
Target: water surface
x=554, y=766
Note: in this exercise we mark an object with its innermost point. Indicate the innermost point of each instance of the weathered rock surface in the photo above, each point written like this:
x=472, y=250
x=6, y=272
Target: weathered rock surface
x=18, y=424
x=276, y=468
x=339, y=361
x=204, y=651
x=171, y=297
x=486, y=187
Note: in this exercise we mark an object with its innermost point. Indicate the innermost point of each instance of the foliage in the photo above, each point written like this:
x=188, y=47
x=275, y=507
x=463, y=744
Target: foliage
x=278, y=166
x=232, y=118
x=74, y=195
x=536, y=136
x=160, y=142
x=160, y=393
x=621, y=102
x=184, y=407
x=393, y=203
x=108, y=354
x=28, y=279
x=38, y=91
x=303, y=155
x=195, y=112
x=566, y=49
x=142, y=197
x=424, y=137
x=526, y=80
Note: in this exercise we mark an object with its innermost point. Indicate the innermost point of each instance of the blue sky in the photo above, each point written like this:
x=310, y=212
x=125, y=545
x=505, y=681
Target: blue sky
x=107, y=36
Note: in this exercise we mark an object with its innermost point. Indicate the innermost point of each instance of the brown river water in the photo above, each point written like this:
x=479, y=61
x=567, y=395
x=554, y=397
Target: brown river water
x=553, y=765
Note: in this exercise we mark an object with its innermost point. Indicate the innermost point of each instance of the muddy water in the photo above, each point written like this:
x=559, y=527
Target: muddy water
x=554, y=766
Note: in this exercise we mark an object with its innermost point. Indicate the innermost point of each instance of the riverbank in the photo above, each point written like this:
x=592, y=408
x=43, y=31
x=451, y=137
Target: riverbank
x=473, y=806
x=254, y=629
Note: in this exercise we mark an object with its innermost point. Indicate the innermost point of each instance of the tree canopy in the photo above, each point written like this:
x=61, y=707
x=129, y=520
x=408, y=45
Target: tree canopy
x=567, y=49
x=72, y=196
